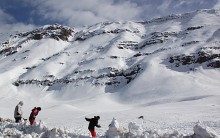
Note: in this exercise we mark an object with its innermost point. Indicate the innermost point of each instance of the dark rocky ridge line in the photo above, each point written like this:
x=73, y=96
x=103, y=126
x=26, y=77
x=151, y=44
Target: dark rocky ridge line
x=57, y=32
x=112, y=76
x=201, y=57
x=82, y=36
x=157, y=42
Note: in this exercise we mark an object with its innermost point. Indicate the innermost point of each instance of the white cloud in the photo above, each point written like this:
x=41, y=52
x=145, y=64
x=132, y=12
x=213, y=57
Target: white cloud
x=159, y=8
x=84, y=12
x=87, y=12
x=217, y=6
x=164, y=5
x=20, y=27
x=7, y=27
x=5, y=17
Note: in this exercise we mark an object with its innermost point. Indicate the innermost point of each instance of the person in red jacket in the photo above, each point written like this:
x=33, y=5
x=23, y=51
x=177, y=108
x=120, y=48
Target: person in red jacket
x=33, y=114
x=93, y=122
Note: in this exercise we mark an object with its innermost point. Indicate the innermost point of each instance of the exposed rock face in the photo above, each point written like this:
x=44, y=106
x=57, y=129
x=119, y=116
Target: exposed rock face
x=121, y=50
x=37, y=36
x=115, y=78
x=203, y=57
x=57, y=32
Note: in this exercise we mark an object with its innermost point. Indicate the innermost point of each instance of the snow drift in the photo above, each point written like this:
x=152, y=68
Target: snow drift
x=38, y=130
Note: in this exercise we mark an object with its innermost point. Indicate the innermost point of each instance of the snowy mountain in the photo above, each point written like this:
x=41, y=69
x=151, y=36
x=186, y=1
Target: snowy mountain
x=167, y=65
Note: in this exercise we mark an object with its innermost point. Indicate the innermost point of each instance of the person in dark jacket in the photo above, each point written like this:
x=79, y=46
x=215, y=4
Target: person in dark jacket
x=93, y=122
x=33, y=114
x=18, y=112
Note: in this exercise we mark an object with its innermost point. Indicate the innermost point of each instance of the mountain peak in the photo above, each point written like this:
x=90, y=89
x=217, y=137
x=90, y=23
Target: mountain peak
x=112, y=56
x=56, y=31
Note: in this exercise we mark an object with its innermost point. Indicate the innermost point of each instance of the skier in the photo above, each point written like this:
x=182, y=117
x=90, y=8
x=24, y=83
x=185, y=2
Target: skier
x=18, y=112
x=92, y=123
x=33, y=114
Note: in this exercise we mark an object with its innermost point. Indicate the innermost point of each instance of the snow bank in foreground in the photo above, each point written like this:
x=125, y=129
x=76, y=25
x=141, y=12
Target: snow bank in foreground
x=10, y=129
x=205, y=132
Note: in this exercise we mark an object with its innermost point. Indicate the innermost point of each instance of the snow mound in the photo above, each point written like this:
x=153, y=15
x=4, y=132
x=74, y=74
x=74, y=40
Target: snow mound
x=10, y=129
x=114, y=130
x=206, y=132
x=137, y=131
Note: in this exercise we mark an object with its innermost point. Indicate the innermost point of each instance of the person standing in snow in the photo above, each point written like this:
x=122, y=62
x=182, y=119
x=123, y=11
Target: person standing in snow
x=18, y=112
x=33, y=114
x=93, y=122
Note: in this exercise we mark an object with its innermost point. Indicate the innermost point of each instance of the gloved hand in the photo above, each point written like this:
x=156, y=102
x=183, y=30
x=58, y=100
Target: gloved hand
x=98, y=126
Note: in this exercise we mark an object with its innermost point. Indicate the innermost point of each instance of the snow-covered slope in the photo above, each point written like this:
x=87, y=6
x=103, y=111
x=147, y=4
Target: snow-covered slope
x=166, y=69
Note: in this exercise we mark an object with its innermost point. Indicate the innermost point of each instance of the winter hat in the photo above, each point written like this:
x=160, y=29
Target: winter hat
x=21, y=103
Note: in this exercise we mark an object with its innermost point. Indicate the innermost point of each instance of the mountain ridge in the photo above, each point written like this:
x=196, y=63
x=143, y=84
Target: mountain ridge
x=129, y=47
x=166, y=70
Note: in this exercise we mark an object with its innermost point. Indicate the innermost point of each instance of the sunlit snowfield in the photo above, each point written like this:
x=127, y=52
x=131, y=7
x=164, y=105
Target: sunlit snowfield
x=120, y=70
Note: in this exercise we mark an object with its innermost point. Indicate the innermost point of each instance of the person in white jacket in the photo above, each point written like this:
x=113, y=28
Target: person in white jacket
x=18, y=112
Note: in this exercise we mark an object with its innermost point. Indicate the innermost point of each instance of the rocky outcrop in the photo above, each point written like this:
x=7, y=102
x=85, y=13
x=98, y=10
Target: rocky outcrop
x=203, y=57
x=57, y=32
x=109, y=77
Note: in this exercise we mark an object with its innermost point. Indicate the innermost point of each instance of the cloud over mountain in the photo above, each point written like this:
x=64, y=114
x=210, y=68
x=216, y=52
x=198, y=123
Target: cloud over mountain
x=83, y=12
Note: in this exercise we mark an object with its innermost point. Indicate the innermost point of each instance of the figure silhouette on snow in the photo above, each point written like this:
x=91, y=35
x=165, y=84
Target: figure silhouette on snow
x=33, y=114
x=93, y=122
x=18, y=112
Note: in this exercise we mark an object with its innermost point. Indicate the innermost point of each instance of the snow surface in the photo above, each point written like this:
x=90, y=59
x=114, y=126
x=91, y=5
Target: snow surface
x=38, y=129
x=171, y=99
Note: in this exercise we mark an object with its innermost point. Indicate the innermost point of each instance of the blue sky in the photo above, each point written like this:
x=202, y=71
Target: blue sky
x=27, y=14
